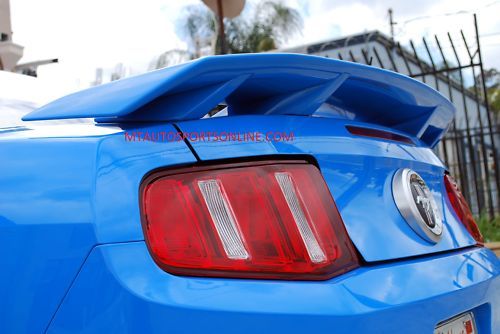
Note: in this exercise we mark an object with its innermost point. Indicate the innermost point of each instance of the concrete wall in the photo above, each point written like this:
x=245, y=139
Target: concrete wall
x=5, y=23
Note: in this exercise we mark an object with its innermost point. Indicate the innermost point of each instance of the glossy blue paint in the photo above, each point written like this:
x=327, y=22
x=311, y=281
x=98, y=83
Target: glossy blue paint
x=73, y=252
x=42, y=241
x=120, y=289
x=358, y=171
x=270, y=84
x=65, y=189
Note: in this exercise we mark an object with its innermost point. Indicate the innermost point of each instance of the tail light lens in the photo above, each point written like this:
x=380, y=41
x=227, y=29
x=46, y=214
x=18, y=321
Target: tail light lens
x=461, y=208
x=273, y=220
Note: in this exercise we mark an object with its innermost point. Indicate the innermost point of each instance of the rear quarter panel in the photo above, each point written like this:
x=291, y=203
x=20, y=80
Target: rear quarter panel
x=63, y=191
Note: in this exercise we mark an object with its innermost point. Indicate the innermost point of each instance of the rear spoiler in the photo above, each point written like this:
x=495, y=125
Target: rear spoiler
x=265, y=84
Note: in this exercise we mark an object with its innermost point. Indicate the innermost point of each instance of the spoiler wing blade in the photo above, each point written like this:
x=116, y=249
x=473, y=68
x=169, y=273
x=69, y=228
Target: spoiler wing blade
x=266, y=84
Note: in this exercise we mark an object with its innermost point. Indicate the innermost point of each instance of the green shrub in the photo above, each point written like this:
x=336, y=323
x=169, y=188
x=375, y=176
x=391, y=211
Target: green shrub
x=490, y=228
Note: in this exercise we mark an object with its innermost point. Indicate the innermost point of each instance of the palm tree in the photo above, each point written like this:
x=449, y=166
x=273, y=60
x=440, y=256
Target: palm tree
x=262, y=27
x=169, y=58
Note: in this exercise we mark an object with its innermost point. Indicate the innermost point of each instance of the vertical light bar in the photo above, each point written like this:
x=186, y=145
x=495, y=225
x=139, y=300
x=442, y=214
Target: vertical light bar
x=223, y=218
x=314, y=250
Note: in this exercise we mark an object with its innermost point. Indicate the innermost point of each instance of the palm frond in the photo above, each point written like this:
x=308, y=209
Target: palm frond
x=261, y=27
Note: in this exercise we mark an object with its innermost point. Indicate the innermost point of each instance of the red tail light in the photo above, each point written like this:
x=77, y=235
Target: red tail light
x=461, y=208
x=261, y=220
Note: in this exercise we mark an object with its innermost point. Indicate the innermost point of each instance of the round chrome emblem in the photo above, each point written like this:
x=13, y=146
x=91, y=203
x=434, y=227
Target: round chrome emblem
x=417, y=205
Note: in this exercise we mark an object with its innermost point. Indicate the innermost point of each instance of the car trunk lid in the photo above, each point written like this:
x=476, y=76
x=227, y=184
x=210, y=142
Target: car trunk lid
x=357, y=169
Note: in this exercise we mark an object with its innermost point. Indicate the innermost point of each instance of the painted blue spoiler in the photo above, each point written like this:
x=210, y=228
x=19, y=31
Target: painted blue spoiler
x=267, y=84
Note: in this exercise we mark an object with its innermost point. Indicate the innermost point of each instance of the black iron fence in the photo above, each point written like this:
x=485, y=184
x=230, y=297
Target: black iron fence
x=470, y=147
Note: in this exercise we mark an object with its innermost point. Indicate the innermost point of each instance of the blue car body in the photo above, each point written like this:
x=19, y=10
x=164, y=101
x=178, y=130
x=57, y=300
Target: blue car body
x=74, y=257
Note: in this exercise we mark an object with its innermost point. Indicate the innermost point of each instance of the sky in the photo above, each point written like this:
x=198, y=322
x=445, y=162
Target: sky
x=89, y=34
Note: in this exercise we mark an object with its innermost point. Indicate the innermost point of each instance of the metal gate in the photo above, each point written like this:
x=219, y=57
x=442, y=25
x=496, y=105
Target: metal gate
x=470, y=147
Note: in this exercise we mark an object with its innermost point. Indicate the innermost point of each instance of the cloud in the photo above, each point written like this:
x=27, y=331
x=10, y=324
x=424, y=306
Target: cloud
x=329, y=20
x=86, y=34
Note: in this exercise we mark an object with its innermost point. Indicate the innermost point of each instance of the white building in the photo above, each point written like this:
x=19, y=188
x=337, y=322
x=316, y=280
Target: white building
x=10, y=52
